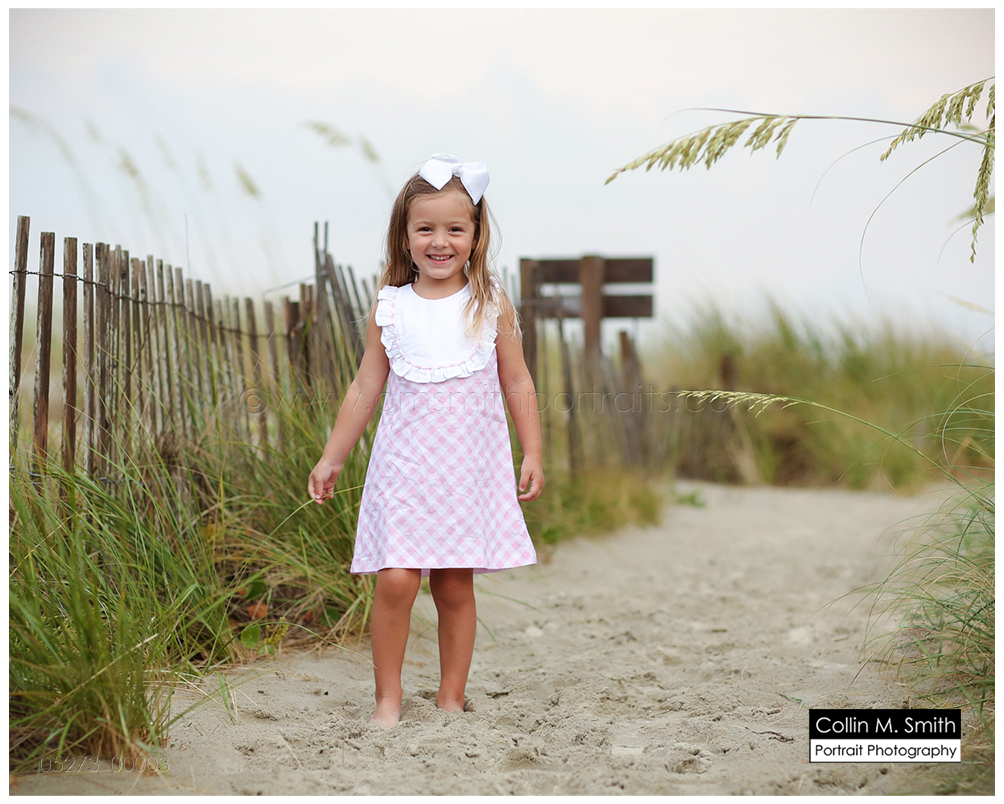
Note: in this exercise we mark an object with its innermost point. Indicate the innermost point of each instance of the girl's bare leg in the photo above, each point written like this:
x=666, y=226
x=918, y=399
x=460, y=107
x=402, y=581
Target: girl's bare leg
x=391, y=623
x=453, y=592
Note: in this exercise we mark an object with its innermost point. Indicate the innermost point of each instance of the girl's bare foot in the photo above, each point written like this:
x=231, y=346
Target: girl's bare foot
x=449, y=704
x=387, y=714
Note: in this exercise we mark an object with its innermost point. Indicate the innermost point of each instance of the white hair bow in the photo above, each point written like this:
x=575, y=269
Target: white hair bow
x=442, y=167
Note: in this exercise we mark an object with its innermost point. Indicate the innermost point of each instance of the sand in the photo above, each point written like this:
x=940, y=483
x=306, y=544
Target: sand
x=679, y=659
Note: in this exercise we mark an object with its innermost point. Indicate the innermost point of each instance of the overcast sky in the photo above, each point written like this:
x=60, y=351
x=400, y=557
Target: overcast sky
x=134, y=127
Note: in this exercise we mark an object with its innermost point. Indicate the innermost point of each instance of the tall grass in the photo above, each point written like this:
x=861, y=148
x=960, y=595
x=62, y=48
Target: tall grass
x=206, y=552
x=929, y=390
x=119, y=590
x=184, y=555
x=942, y=596
x=898, y=411
x=194, y=553
x=106, y=608
x=287, y=555
x=599, y=501
x=939, y=421
x=942, y=603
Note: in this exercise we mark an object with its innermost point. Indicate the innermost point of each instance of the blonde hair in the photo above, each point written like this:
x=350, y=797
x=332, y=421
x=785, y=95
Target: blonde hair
x=486, y=289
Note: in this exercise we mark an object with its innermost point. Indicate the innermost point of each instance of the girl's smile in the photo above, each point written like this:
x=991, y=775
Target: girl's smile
x=440, y=241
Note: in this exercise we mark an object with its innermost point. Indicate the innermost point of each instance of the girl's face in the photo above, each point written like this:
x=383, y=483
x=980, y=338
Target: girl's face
x=440, y=239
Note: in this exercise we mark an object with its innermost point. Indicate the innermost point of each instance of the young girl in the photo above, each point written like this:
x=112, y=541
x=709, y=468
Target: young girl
x=439, y=499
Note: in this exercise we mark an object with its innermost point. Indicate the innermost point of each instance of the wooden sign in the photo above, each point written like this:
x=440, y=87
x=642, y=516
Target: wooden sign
x=623, y=270
x=613, y=307
x=591, y=273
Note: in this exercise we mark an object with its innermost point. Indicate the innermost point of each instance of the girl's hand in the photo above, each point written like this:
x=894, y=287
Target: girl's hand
x=321, y=485
x=531, y=480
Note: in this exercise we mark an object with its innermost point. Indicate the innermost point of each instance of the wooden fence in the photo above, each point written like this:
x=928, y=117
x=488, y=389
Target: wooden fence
x=600, y=403
x=600, y=408
x=152, y=356
x=146, y=349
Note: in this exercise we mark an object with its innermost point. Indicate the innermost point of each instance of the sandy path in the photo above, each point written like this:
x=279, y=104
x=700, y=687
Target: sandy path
x=678, y=659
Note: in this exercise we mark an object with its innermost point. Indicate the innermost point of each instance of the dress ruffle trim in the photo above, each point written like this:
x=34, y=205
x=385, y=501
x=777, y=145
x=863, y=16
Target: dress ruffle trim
x=399, y=363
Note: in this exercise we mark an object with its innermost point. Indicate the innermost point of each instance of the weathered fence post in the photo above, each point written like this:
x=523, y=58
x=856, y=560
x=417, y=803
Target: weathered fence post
x=228, y=335
x=544, y=392
x=164, y=304
x=203, y=357
x=69, y=353
x=240, y=370
x=273, y=354
x=355, y=293
x=144, y=397
x=223, y=350
x=320, y=330
x=122, y=420
x=90, y=364
x=343, y=308
x=103, y=323
x=43, y=347
x=176, y=392
x=119, y=367
x=574, y=439
x=194, y=340
x=367, y=293
x=257, y=385
x=632, y=382
x=212, y=353
x=175, y=294
x=153, y=324
x=17, y=329
x=591, y=272
x=295, y=347
x=529, y=300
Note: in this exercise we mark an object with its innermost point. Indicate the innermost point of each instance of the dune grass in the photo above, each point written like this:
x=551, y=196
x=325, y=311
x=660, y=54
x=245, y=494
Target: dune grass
x=286, y=554
x=591, y=504
x=106, y=611
x=118, y=590
x=203, y=553
x=184, y=556
x=942, y=593
x=942, y=603
x=872, y=408
x=933, y=393
x=193, y=556
x=933, y=412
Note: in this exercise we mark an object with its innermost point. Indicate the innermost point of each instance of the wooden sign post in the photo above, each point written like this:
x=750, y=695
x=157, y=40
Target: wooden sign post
x=590, y=273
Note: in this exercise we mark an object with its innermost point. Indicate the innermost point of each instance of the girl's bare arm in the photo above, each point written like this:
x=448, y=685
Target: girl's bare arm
x=353, y=416
x=521, y=399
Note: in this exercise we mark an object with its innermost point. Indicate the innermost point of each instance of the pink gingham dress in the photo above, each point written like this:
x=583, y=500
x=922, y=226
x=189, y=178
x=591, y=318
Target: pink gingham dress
x=440, y=489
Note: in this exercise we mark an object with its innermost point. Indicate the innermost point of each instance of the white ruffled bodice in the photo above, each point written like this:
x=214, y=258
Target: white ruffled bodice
x=426, y=339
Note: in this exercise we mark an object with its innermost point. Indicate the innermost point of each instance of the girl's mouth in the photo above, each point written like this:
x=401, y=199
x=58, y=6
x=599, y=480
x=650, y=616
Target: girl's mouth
x=439, y=257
